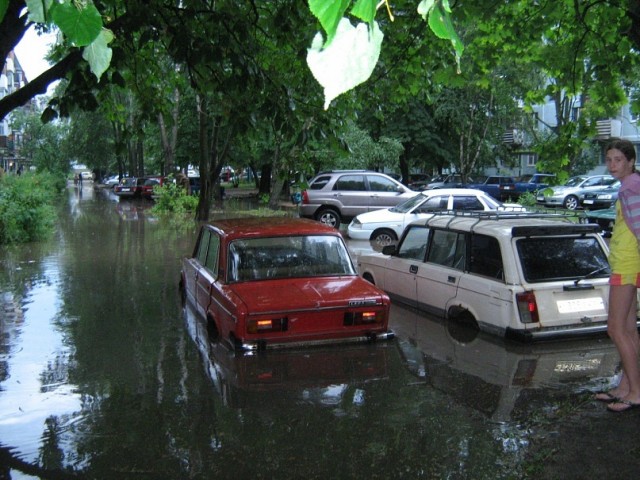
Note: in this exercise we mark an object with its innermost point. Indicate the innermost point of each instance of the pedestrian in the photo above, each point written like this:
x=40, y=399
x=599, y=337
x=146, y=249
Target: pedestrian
x=80, y=179
x=624, y=259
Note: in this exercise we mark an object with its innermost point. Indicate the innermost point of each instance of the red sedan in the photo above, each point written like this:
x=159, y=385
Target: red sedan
x=266, y=282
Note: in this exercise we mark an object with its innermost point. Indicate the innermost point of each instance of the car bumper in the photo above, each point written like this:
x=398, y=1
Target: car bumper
x=548, y=334
x=372, y=337
x=358, y=233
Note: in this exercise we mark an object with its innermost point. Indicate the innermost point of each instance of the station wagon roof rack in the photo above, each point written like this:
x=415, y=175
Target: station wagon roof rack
x=505, y=213
x=565, y=227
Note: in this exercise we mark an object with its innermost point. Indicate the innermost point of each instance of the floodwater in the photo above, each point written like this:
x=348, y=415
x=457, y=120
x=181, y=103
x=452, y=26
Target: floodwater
x=104, y=375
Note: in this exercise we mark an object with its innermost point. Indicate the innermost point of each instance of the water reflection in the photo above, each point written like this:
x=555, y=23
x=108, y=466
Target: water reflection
x=103, y=375
x=495, y=376
x=322, y=376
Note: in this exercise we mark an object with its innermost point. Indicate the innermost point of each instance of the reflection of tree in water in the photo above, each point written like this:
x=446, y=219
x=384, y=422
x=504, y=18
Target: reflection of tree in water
x=51, y=454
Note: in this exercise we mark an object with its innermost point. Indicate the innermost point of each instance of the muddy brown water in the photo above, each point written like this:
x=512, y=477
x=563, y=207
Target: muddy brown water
x=104, y=375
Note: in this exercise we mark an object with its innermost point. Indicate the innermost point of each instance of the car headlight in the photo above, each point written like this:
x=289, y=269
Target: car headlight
x=355, y=223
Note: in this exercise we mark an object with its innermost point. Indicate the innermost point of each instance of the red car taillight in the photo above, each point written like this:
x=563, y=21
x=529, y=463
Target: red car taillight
x=527, y=307
x=305, y=197
x=363, y=318
x=265, y=325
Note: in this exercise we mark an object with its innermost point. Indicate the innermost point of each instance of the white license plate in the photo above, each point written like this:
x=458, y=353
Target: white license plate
x=126, y=189
x=580, y=305
x=588, y=202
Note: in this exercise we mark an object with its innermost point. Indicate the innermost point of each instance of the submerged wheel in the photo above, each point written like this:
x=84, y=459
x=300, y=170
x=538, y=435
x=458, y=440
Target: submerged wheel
x=571, y=202
x=329, y=216
x=384, y=237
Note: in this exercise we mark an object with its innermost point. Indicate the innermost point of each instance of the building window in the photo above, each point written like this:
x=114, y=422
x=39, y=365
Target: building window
x=528, y=159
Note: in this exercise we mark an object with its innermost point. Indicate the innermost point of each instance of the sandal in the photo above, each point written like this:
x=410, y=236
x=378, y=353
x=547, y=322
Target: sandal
x=626, y=405
x=606, y=397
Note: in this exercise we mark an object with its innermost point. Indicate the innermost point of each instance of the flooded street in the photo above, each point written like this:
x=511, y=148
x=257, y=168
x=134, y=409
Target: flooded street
x=104, y=375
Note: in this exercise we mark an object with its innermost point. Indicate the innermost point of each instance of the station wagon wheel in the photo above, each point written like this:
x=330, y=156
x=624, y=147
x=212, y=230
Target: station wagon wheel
x=384, y=237
x=571, y=202
x=329, y=217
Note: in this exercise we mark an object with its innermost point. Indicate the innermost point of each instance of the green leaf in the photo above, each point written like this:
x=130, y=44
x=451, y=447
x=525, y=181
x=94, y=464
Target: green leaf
x=441, y=25
x=98, y=53
x=365, y=10
x=80, y=24
x=4, y=4
x=329, y=12
x=424, y=7
x=38, y=10
x=348, y=61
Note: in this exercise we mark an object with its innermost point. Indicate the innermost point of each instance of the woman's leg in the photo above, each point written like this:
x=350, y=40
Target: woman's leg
x=623, y=331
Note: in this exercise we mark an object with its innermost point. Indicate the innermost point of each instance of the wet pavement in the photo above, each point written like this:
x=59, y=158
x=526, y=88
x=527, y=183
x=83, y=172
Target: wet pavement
x=104, y=375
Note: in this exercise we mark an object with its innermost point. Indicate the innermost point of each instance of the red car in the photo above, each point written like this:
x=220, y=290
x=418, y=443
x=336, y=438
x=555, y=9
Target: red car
x=129, y=187
x=146, y=190
x=267, y=282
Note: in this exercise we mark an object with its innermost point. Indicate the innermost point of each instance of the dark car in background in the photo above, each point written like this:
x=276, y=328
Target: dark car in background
x=605, y=198
x=129, y=187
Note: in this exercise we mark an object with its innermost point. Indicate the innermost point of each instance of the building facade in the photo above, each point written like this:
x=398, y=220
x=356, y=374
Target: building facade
x=12, y=78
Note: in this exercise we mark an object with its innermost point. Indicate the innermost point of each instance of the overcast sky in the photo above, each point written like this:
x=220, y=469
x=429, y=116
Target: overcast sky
x=31, y=52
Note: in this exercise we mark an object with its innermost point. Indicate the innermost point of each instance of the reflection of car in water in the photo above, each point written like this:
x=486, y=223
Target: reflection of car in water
x=319, y=375
x=492, y=375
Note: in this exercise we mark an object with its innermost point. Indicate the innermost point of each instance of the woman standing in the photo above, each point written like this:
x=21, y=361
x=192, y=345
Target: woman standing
x=624, y=259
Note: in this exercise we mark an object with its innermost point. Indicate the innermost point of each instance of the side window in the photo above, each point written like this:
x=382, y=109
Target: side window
x=434, y=204
x=212, y=255
x=381, y=184
x=467, y=203
x=350, y=183
x=493, y=181
x=447, y=249
x=414, y=245
x=486, y=259
x=203, y=246
x=320, y=182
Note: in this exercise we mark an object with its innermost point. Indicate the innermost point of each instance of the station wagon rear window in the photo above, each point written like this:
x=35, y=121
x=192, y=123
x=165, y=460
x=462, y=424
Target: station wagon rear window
x=287, y=257
x=561, y=258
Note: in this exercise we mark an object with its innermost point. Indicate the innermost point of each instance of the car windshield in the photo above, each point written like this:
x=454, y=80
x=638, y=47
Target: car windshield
x=288, y=257
x=574, y=181
x=564, y=258
x=409, y=204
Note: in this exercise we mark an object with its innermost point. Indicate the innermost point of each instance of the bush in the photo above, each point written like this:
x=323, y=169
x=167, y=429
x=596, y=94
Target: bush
x=171, y=198
x=26, y=207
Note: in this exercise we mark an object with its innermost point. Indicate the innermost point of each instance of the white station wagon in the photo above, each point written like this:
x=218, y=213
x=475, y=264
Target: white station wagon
x=524, y=276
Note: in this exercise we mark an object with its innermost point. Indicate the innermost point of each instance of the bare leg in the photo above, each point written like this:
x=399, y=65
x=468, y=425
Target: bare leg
x=624, y=333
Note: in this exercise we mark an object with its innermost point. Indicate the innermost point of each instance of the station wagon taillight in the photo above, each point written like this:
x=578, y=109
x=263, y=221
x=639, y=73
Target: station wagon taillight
x=527, y=307
x=363, y=318
x=265, y=325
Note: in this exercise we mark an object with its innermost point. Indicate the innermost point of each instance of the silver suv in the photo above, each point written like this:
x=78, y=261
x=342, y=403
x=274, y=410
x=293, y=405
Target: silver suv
x=520, y=275
x=337, y=196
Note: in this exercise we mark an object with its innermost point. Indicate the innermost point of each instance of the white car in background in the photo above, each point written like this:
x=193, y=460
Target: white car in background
x=386, y=226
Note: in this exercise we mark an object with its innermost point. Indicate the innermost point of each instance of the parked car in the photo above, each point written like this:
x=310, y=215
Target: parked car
x=604, y=218
x=338, y=196
x=570, y=194
x=418, y=181
x=194, y=185
x=149, y=184
x=129, y=187
x=500, y=187
x=386, y=226
x=452, y=180
x=111, y=181
x=531, y=184
x=265, y=282
x=524, y=276
x=604, y=198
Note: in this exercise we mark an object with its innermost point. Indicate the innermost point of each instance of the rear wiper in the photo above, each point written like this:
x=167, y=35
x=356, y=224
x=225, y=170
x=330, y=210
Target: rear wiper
x=590, y=274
